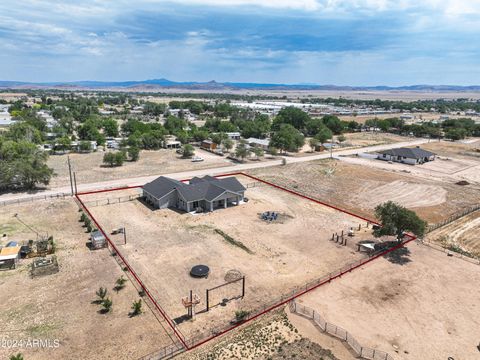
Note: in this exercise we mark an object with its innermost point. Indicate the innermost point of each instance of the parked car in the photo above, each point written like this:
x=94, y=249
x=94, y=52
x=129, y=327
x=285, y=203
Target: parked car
x=197, y=159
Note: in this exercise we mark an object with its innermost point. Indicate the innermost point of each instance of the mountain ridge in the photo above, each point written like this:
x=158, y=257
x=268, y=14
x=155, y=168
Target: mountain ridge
x=214, y=85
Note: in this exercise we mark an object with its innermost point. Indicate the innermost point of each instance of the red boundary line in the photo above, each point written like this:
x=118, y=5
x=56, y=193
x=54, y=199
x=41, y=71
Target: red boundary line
x=273, y=307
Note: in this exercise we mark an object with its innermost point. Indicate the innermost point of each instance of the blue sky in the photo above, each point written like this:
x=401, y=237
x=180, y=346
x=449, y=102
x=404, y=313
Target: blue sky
x=342, y=42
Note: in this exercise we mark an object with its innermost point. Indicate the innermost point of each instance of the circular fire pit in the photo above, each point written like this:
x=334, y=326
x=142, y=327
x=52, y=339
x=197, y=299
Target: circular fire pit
x=200, y=271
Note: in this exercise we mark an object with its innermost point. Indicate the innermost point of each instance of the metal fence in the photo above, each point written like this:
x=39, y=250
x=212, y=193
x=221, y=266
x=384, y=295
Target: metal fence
x=334, y=330
x=35, y=198
x=454, y=217
x=167, y=352
x=203, y=337
x=450, y=252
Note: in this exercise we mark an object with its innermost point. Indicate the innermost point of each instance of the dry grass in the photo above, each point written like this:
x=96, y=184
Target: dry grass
x=60, y=306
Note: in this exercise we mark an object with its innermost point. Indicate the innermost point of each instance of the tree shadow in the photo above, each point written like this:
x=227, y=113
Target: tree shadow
x=400, y=256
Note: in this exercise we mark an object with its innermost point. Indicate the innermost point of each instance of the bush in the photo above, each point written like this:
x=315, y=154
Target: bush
x=134, y=153
x=188, y=151
x=114, y=158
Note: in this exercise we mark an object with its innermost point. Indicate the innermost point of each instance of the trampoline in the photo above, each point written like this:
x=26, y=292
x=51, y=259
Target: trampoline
x=200, y=271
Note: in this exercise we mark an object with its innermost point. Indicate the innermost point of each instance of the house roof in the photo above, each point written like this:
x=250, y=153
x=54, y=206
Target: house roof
x=411, y=153
x=263, y=142
x=205, y=188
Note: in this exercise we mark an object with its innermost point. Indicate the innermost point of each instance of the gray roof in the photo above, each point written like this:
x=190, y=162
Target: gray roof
x=410, y=153
x=206, y=188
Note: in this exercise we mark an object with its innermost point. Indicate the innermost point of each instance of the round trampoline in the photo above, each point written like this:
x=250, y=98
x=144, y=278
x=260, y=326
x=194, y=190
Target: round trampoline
x=200, y=271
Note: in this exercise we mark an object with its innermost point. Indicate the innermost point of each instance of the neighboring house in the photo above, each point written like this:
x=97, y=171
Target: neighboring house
x=171, y=142
x=233, y=135
x=410, y=156
x=206, y=193
x=208, y=145
x=261, y=143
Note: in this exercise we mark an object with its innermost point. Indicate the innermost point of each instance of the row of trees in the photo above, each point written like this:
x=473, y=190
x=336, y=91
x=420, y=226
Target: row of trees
x=453, y=129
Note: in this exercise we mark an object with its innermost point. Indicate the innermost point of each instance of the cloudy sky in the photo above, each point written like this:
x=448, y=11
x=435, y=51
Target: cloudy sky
x=343, y=42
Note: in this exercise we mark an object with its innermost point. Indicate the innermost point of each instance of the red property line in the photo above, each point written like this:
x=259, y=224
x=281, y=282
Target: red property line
x=164, y=314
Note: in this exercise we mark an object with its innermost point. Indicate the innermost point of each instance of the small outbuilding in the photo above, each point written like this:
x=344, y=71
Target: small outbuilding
x=9, y=256
x=410, y=156
x=98, y=240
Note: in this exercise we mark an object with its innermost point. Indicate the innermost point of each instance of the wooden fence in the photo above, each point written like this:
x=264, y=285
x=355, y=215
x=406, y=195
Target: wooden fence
x=334, y=330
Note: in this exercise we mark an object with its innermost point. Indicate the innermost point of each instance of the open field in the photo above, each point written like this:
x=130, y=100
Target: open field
x=356, y=140
x=360, y=188
x=276, y=258
x=462, y=233
x=89, y=167
x=59, y=306
x=423, y=309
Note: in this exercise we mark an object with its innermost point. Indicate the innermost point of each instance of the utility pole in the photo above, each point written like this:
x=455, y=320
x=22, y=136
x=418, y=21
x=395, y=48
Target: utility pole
x=70, y=173
x=125, y=235
x=331, y=148
x=75, y=181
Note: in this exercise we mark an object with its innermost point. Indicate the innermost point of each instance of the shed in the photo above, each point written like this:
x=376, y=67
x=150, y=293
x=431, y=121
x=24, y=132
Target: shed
x=9, y=256
x=98, y=240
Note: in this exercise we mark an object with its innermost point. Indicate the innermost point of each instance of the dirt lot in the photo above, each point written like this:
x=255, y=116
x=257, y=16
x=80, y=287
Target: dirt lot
x=360, y=188
x=59, y=306
x=455, y=149
x=89, y=167
x=274, y=257
x=463, y=233
x=423, y=309
x=272, y=337
x=354, y=140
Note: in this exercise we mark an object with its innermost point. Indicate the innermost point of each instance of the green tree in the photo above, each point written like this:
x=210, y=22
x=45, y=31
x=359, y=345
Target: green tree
x=324, y=134
x=313, y=143
x=16, y=357
x=22, y=165
x=107, y=305
x=287, y=138
x=120, y=283
x=134, y=153
x=258, y=151
x=101, y=293
x=64, y=143
x=227, y=144
x=136, y=307
x=292, y=116
x=333, y=123
x=341, y=138
x=114, y=158
x=188, y=151
x=242, y=150
x=110, y=127
x=85, y=146
x=396, y=220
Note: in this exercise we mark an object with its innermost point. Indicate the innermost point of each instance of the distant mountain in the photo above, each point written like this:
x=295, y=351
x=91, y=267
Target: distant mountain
x=213, y=85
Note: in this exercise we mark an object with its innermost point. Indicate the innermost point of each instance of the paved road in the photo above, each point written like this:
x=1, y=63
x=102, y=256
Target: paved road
x=215, y=171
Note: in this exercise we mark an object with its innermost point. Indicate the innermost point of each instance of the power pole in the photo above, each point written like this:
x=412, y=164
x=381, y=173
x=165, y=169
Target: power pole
x=70, y=173
x=125, y=235
x=75, y=181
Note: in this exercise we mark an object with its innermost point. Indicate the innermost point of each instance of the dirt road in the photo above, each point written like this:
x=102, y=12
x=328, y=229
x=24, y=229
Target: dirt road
x=213, y=171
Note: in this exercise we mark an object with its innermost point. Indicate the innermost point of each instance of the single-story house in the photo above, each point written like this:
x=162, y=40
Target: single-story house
x=261, y=143
x=171, y=142
x=208, y=145
x=410, y=156
x=233, y=135
x=204, y=194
